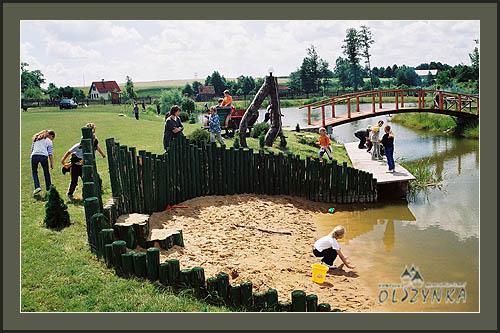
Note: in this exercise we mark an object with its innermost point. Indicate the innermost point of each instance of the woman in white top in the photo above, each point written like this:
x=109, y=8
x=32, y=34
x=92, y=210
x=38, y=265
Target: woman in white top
x=328, y=248
x=41, y=153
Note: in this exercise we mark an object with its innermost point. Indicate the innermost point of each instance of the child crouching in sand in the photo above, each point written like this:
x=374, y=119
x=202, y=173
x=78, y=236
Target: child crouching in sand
x=328, y=248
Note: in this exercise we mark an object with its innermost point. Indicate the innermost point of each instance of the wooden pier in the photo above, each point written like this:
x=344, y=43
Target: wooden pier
x=388, y=184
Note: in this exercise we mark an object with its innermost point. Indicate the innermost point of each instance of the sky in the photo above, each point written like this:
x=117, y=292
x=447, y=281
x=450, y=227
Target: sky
x=77, y=52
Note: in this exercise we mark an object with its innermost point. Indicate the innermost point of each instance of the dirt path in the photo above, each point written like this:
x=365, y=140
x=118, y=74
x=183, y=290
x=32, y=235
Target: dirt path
x=221, y=234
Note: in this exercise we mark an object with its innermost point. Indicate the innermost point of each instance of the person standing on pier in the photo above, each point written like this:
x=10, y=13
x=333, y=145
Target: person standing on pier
x=388, y=143
x=374, y=138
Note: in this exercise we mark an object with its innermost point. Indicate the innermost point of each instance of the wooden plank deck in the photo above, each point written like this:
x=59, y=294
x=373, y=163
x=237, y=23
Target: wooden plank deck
x=362, y=160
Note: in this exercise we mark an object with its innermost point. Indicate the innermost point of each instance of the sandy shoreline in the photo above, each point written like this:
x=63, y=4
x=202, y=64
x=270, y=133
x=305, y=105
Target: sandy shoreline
x=221, y=234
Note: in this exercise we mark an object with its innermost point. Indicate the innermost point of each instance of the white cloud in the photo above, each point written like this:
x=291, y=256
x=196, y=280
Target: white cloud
x=157, y=50
x=65, y=50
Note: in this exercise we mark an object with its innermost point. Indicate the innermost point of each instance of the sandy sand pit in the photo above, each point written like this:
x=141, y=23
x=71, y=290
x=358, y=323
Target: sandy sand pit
x=264, y=239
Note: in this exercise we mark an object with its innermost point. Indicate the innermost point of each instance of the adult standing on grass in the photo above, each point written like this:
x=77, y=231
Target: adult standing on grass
x=136, y=111
x=41, y=153
x=158, y=107
x=173, y=126
x=388, y=143
x=143, y=107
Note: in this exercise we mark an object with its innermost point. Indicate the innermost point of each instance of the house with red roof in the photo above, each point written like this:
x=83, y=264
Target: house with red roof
x=108, y=90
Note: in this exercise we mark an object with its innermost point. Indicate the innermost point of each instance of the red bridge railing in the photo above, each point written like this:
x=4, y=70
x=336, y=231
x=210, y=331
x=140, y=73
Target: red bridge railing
x=440, y=100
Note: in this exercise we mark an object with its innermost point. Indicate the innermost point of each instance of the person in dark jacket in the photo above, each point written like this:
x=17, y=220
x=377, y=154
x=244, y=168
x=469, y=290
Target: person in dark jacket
x=136, y=111
x=158, y=108
x=362, y=135
x=388, y=143
x=173, y=126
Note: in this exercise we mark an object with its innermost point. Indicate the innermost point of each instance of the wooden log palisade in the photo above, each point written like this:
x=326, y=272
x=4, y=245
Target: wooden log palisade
x=144, y=183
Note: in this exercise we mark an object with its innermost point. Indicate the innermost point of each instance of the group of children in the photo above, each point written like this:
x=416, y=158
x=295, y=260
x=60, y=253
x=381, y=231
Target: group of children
x=42, y=153
x=369, y=138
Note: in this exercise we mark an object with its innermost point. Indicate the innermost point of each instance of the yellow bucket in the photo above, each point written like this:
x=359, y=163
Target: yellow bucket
x=319, y=273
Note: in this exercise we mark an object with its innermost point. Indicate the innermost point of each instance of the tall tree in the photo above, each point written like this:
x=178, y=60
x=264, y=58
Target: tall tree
x=218, y=81
x=309, y=71
x=429, y=79
x=294, y=81
x=196, y=86
x=366, y=40
x=474, y=58
x=30, y=79
x=188, y=90
x=351, y=50
x=52, y=91
x=129, y=88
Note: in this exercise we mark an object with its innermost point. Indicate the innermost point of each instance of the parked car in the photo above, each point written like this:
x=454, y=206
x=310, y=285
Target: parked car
x=67, y=103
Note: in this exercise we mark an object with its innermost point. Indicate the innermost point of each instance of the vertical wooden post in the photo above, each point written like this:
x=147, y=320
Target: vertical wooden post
x=440, y=100
x=373, y=103
x=333, y=108
x=323, y=115
x=396, y=95
x=459, y=105
x=349, y=108
x=357, y=103
x=419, y=94
x=308, y=115
x=380, y=100
x=402, y=99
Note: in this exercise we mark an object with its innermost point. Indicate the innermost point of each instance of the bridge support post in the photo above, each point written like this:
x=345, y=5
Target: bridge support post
x=373, y=103
x=397, y=104
x=357, y=103
x=440, y=100
x=323, y=115
x=420, y=99
x=333, y=108
x=459, y=105
x=402, y=99
x=349, y=108
x=308, y=115
x=380, y=100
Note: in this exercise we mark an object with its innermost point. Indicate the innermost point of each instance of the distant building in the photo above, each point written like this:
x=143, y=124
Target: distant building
x=424, y=72
x=205, y=93
x=108, y=90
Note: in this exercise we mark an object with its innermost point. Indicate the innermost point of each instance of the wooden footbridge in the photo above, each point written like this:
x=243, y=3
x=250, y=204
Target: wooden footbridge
x=391, y=102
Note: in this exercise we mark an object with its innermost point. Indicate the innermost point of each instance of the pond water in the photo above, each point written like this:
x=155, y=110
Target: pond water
x=437, y=231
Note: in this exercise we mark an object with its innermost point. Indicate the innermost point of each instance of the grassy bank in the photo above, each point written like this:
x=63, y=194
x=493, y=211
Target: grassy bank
x=434, y=122
x=58, y=273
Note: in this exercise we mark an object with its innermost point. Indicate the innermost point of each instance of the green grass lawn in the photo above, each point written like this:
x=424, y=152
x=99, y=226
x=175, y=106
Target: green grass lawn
x=58, y=272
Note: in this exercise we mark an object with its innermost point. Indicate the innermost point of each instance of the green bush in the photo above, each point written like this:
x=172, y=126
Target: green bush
x=192, y=119
x=260, y=128
x=236, y=142
x=199, y=135
x=56, y=211
x=188, y=105
x=169, y=98
x=308, y=140
x=184, y=116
